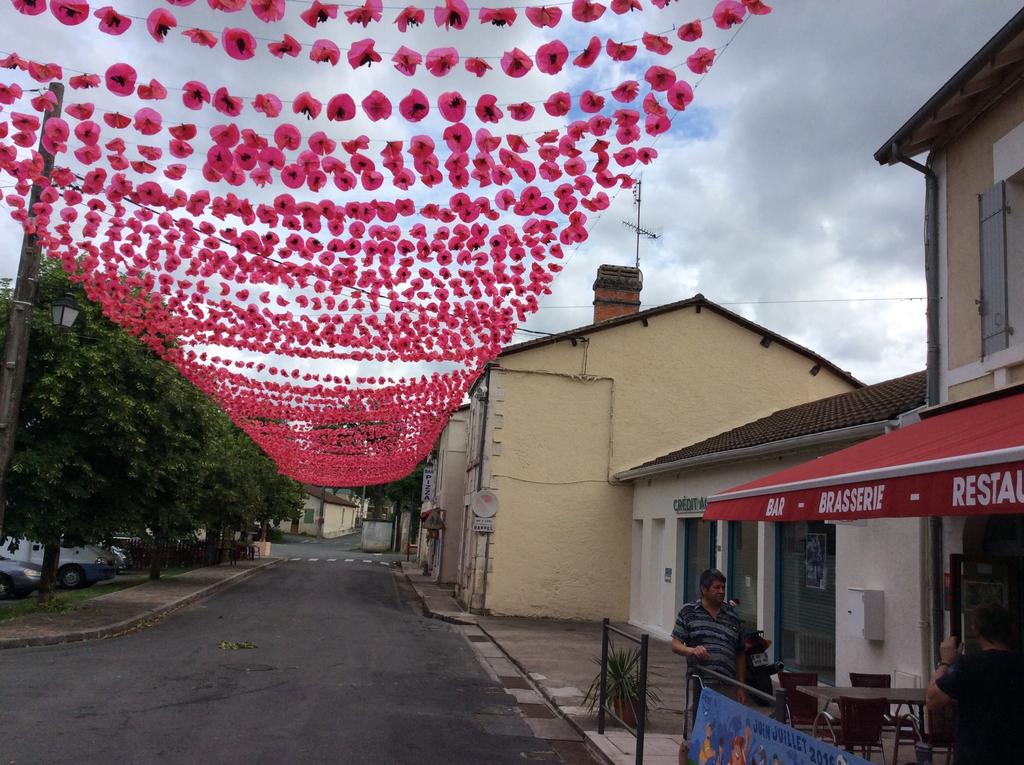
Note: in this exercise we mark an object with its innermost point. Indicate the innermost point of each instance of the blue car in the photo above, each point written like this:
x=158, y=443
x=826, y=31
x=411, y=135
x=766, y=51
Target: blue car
x=18, y=579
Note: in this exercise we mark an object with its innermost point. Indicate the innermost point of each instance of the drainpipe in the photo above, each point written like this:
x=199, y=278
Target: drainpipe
x=480, y=479
x=931, y=272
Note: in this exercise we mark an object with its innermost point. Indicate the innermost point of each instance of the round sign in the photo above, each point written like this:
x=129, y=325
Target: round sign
x=484, y=504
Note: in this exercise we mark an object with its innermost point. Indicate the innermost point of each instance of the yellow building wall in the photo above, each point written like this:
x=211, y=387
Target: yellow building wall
x=969, y=172
x=566, y=419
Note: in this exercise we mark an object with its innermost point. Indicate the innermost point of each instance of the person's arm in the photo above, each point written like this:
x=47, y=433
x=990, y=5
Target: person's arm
x=698, y=652
x=936, y=697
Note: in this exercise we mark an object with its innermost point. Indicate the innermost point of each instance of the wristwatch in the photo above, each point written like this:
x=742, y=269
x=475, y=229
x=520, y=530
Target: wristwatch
x=943, y=664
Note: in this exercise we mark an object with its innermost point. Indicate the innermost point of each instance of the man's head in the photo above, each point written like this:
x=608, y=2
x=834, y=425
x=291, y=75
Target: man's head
x=712, y=586
x=993, y=623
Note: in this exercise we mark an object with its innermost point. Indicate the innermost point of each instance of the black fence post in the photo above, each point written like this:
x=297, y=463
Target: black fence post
x=780, y=705
x=641, y=722
x=604, y=676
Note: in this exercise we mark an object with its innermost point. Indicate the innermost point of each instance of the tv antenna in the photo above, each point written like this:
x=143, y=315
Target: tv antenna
x=636, y=227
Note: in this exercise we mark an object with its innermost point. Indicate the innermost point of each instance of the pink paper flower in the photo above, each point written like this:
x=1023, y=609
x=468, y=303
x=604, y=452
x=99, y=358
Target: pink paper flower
x=341, y=108
x=619, y=51
x=202, y=37
x=625, y=6
x=728, y=13
x=656, y=43
x=477, y=66
x=287, y=46
x=30, y=7
x=415, y=106
x=227, y=6
x=268, y=10
x=499, y=17
x=307, y=105
x=238, y=43
x=120, y=79
x=660, y=78
x=325, y=51
x=69, y=13
x=542, y=16
x=627, y=91
x=411, y=16
x=318, y=13
x=558, y=104
x=588, y=55
x=287, y=137
x=453, y=14
x=487, y=109
x=371, y=10
x=515, y=63
x=551, y=57
x=148, y=121
x=159, y=23
x=521, y=112
x=154, y=91
x=452, y=106
x=440, y=61
x=376, y=106
x=112, y=22
x=267, y=104
x=691, y=31
x=84, y=81
x=226, y=103
x=586, y=11
x=680, y=95
x=590, y=102
x=701, y=60
x=362, y=53
x=757, y=7
x=11, y=93
x=406, y=60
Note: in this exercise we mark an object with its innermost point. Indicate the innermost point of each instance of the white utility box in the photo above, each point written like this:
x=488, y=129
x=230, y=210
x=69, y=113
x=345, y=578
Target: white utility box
x=865, y=613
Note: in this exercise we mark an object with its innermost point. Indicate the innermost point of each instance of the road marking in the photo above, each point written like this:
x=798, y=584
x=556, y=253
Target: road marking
x=313, y=560
x=349, y=560
x=295, y=559
x=366, y=561
x=378, y=554
x=331, y=560
x=383, y=562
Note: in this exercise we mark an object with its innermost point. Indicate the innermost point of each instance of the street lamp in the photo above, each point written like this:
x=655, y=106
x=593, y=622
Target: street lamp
x=65, y=310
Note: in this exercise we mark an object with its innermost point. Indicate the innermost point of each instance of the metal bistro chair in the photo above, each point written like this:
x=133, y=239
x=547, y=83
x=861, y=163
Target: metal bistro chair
x=801, y=709
x=870, y=680
x=859, y=725
x=940, y=735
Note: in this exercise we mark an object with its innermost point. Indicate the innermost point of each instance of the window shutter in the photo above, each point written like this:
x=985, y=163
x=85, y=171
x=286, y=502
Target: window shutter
x=993, y=305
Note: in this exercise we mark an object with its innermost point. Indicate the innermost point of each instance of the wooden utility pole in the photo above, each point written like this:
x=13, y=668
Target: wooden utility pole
x=19, y=322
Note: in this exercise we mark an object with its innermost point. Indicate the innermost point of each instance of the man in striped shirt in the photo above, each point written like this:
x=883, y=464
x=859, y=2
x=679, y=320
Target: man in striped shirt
x=709, y=633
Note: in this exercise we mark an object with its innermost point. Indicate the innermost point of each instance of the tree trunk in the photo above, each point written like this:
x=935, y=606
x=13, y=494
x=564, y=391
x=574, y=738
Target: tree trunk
x=158, y=554
x=48, y=580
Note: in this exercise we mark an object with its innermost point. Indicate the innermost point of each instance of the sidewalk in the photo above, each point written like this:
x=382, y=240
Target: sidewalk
x=125, y=610
x=558, y=657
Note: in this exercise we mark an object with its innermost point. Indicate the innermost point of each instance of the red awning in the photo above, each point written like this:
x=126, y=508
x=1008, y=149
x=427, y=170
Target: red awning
x=965, y=461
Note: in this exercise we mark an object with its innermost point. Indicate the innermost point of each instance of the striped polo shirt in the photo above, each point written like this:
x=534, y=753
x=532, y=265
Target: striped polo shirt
x=723, y=637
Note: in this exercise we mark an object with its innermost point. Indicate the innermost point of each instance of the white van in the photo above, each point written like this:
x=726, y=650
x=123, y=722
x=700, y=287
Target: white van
x=79, y=566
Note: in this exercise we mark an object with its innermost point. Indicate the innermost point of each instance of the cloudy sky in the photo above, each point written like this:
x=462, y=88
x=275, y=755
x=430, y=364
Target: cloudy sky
x=765, y=196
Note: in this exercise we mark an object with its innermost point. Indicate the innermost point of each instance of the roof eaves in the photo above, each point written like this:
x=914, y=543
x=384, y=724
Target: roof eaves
x=890, y=152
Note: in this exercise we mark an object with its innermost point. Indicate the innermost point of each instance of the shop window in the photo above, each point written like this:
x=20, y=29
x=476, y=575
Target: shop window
x=807, y=597
x=742, y=572
x=307, y=515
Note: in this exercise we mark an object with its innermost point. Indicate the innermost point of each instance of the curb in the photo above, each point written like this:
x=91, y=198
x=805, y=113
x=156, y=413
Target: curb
x=126, y=625
x=591, y=747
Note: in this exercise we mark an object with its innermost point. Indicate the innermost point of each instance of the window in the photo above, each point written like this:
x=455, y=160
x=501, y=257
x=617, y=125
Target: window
x=807, y=597
x=700, y=545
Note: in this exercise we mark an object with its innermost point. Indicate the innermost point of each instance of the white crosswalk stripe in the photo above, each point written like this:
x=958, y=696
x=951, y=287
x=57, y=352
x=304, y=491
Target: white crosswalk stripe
x=295, y=559
x=313, y=560
x=331, y=560
x=349, y=560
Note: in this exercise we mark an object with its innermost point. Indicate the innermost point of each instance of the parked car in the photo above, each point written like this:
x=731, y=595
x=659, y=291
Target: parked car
x=18, y=579
x=79, y=565
x=122, y=558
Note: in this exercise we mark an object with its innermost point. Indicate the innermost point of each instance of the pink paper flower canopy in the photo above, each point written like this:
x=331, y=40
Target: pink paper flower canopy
x=334, y=255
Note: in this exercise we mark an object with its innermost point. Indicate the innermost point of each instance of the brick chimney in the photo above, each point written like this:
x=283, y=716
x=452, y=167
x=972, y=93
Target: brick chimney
x=616, y=292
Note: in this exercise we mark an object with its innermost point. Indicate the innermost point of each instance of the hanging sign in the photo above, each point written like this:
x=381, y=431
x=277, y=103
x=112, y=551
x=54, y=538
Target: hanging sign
x=427, y=491
x=483, y=525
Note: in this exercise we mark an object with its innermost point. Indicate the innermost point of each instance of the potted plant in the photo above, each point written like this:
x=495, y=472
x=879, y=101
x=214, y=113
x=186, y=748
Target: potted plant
x=622, y=686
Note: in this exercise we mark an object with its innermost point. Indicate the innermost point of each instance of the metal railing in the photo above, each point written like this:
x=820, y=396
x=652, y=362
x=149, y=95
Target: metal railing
x=695, y=683
x=603, y=709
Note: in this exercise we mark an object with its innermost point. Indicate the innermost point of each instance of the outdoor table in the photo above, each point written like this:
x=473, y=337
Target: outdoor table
x=828, y=693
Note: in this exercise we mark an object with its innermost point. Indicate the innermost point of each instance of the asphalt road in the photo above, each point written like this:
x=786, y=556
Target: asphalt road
x=343, y=671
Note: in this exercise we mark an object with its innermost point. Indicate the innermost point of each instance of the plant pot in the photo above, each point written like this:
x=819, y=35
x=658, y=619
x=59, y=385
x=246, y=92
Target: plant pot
x=626, y=710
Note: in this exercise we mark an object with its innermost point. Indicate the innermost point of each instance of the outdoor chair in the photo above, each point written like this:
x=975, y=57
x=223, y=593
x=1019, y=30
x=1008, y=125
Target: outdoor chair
x=801, y=709
x=869, y=680
x=859, y=725
x=940, y=734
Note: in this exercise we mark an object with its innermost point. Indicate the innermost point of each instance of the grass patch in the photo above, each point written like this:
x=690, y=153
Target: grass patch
x=68, y=600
